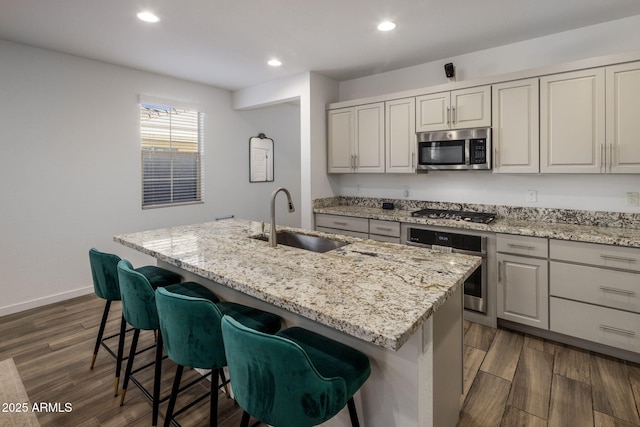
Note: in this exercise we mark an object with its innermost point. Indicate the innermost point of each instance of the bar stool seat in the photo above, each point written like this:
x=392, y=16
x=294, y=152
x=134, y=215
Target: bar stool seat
x=296, y=378
x=104, y=273
x=193, y=338
x=139, y=310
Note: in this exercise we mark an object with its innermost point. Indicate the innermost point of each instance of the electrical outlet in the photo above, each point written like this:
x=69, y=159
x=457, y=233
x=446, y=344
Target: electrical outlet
x=632, y=198
x=405, y=193
x=532, y=196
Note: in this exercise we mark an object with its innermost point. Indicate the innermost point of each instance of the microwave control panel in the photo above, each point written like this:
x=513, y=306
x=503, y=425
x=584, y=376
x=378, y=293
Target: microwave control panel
x=477, y=151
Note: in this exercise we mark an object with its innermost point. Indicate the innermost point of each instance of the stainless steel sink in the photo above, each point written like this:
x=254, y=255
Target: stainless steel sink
x=303, y=241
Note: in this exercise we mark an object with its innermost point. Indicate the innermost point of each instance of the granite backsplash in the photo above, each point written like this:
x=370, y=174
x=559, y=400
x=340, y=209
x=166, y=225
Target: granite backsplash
x=550, y=215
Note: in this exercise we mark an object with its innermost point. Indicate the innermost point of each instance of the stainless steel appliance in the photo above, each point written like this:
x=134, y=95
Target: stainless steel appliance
x=475, y=287
x=454, y=149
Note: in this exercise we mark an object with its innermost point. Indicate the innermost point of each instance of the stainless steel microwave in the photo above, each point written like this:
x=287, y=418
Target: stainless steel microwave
x=462, y=149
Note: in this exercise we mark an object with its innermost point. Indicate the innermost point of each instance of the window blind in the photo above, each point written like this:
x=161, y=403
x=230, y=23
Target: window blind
x=171, y=142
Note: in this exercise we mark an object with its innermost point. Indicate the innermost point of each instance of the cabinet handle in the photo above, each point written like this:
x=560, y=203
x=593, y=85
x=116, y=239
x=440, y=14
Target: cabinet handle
x=413, y=160
x=618, y=258
x=448, y=115
x=454, y=119
x=384, y=228
x=339, y=223
x=357, y=161
x=601, y=156
x=495, y=157
x=617, y=291
x=500, y=271
x=514, y=246
x=610, y=156
x=617, y=330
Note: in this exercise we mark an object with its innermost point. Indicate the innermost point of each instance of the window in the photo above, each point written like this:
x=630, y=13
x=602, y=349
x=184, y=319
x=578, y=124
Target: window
x=171, y=155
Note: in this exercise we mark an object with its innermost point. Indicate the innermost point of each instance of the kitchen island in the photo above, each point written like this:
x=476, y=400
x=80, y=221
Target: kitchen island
x=400, y=305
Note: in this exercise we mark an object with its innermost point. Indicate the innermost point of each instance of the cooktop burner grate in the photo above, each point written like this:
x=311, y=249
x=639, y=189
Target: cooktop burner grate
x=481, y=217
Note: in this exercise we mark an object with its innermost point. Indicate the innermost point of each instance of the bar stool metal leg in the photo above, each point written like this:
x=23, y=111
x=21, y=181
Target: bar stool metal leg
x=127, y=374
x=156, y=381
x=103, y=323
x=123, y=329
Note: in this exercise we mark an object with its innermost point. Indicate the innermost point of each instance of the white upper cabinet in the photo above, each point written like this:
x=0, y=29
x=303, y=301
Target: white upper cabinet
x=458, y=109
x=623, y=118
x=572, y=122
x=341, y=135
x=356, y=139
x=516, y=137
x=400, y=128
x=369, y=138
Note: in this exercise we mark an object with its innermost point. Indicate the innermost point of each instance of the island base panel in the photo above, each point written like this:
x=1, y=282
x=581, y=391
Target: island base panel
x=417, y=386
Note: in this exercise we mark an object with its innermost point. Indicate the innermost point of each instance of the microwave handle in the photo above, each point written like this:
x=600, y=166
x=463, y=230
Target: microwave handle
x=467, y=152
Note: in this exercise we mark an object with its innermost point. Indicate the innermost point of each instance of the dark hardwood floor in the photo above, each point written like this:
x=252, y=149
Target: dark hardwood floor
x=511, y=379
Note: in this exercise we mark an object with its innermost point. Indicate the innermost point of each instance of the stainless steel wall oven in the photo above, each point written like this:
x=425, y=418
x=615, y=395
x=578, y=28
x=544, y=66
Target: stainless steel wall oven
x=475, y=287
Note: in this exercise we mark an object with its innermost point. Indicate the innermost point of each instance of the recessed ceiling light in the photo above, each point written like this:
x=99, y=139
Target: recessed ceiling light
x=148, y=17
x=274, y=62
x=386, y=26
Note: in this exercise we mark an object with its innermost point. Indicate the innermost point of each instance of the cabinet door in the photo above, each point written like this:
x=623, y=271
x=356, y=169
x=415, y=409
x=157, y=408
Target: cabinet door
x=523, y=290
x=516, y=137
x=471, y=108
x=400, y=127
x=369, y=138
x=341, y=138
x=433, y=112
x=572, y=122
x=623, y=123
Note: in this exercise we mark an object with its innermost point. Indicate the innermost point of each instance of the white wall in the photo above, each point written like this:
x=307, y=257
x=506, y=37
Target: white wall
x=70, y=167
x=588, y=192
x=282, y=124
x=312, y=92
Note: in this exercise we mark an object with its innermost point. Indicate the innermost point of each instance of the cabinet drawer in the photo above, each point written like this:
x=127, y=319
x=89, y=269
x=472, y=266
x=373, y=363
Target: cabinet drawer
x=384, y=228
x=522, y=245
x=595, y=254
x=350, y=223
x=611, y=288
x=603, y=325
x=380, y=238
x=343, y=232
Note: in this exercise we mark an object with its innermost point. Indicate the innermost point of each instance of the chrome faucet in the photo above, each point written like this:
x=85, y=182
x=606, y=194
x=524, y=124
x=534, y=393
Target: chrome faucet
x=272, y=232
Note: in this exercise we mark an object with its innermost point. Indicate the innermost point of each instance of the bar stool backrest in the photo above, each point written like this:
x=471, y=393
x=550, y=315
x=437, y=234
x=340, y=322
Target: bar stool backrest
x=138, y=298
x=191, y=331
x=104, y=272
x=273, y=379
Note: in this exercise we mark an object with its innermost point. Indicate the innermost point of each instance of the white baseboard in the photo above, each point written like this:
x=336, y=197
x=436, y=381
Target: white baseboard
x=27, y=305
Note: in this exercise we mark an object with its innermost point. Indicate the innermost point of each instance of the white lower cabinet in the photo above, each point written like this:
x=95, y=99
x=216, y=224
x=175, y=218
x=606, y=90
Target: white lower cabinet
x=523, y=280
x=595, y=293
x=374, y=229
x=339, y=224
x=615, y=328
x=384, y=231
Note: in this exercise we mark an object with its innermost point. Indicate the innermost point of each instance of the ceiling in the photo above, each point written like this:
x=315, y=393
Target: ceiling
x=226, y=43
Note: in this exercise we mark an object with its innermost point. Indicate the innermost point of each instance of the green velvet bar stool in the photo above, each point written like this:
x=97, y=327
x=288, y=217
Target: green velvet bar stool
x=295, y=378
x=192, y=336
x=139, y=310
x=104, y=272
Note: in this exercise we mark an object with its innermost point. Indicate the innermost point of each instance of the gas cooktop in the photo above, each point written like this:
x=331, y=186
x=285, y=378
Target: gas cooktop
x=481, y=217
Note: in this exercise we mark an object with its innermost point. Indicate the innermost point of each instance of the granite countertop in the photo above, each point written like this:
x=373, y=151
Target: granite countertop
x=378, y=292
x=621, y=236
